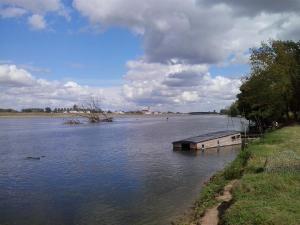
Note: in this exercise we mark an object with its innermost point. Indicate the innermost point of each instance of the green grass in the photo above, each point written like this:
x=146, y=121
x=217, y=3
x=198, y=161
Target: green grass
x=269, y=190
x=215, y=186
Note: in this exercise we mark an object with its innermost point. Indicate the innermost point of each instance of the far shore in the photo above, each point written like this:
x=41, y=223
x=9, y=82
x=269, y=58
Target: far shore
x=66, y=115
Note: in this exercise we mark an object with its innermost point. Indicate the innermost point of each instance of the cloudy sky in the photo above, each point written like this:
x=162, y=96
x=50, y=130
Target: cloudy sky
x=168, y=54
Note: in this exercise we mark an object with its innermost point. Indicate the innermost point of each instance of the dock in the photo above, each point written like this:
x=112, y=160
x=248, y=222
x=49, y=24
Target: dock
x=209, y=140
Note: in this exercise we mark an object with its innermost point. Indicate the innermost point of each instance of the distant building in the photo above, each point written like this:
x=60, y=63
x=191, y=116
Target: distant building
x=146, y=110
x=120, y=112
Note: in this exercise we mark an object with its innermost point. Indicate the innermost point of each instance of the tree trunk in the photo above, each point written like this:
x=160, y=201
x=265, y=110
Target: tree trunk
x=295, y=116
x=287, y=112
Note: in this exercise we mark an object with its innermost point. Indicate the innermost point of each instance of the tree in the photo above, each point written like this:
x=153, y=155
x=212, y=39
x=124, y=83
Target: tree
x=95, y=113
x=271, y=91
x=223, y=111
x=28, y=110
x=48, y=110
x=233, y=110
x=295, y=78
x=75, y=107
x=7, y=110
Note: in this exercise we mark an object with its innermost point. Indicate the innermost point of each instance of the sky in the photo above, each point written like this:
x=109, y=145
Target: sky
x=171, y=55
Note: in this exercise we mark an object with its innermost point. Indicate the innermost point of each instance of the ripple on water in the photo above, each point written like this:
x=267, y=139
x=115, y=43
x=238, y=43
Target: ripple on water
x=117, y=173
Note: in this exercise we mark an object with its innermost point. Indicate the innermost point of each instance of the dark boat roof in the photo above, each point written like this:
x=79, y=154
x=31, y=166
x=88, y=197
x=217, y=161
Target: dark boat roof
x=207, y=137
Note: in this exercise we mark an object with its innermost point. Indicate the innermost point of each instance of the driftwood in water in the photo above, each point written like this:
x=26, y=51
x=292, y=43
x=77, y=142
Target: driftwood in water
x=91, y=111
x=72, y=122
x=108, y=119
x=35, y=157
x=32, y=157
x=97, y=117
x=95, y=113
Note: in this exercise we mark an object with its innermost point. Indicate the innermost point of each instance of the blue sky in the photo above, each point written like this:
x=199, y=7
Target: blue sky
x=170, y=55
x=67, y=52
x=68, y=49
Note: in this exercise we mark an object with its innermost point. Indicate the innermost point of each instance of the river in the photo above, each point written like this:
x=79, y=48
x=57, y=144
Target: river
x=120, y=173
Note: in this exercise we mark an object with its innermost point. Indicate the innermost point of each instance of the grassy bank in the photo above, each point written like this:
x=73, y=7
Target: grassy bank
x=268, y=190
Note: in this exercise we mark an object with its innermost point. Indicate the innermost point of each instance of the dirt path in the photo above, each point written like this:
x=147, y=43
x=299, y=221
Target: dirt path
x=211, y=216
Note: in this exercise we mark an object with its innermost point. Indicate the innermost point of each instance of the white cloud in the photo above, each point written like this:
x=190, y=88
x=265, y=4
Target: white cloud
x=11, y=12
x=193, y=31
x=182, y=39
x=189, y=96
x=10, y=75
x=255, y=7
x=168, y=86
x=20, y=89
x=36, y=10
x=37, y=22
x=36, y=6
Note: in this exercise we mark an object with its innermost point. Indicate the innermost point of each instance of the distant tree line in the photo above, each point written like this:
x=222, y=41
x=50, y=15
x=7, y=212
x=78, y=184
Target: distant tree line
x=78, y=109
x=55, y=110
x=28, y=110
x=8, y=110
x=271, y=92
x=203, y=113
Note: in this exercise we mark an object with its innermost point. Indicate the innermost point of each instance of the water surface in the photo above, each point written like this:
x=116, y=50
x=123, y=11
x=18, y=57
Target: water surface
x=117, y=173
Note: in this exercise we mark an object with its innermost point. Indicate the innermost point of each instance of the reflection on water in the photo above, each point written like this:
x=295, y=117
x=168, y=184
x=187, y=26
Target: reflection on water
x=211, y=151
x=123, y=172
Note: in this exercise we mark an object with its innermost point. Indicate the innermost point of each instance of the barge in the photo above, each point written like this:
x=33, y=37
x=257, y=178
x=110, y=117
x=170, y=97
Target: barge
x=210, y=140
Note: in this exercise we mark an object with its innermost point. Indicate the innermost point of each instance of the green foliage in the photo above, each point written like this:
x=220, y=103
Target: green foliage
x=232, y=110
x=208, y=194
x=224, y=111
x=272, y=89
x=265, y=199
x=236, y=168
x=29, y=110
x=48, y=110
x=7, y=110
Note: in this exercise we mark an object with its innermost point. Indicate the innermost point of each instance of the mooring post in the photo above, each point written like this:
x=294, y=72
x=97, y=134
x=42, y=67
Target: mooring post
x=202, y=148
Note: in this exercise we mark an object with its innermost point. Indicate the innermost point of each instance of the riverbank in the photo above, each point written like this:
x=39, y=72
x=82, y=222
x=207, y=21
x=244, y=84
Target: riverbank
x=267, y=190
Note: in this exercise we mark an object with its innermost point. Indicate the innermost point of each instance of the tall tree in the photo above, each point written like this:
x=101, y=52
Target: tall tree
x=271, y=91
